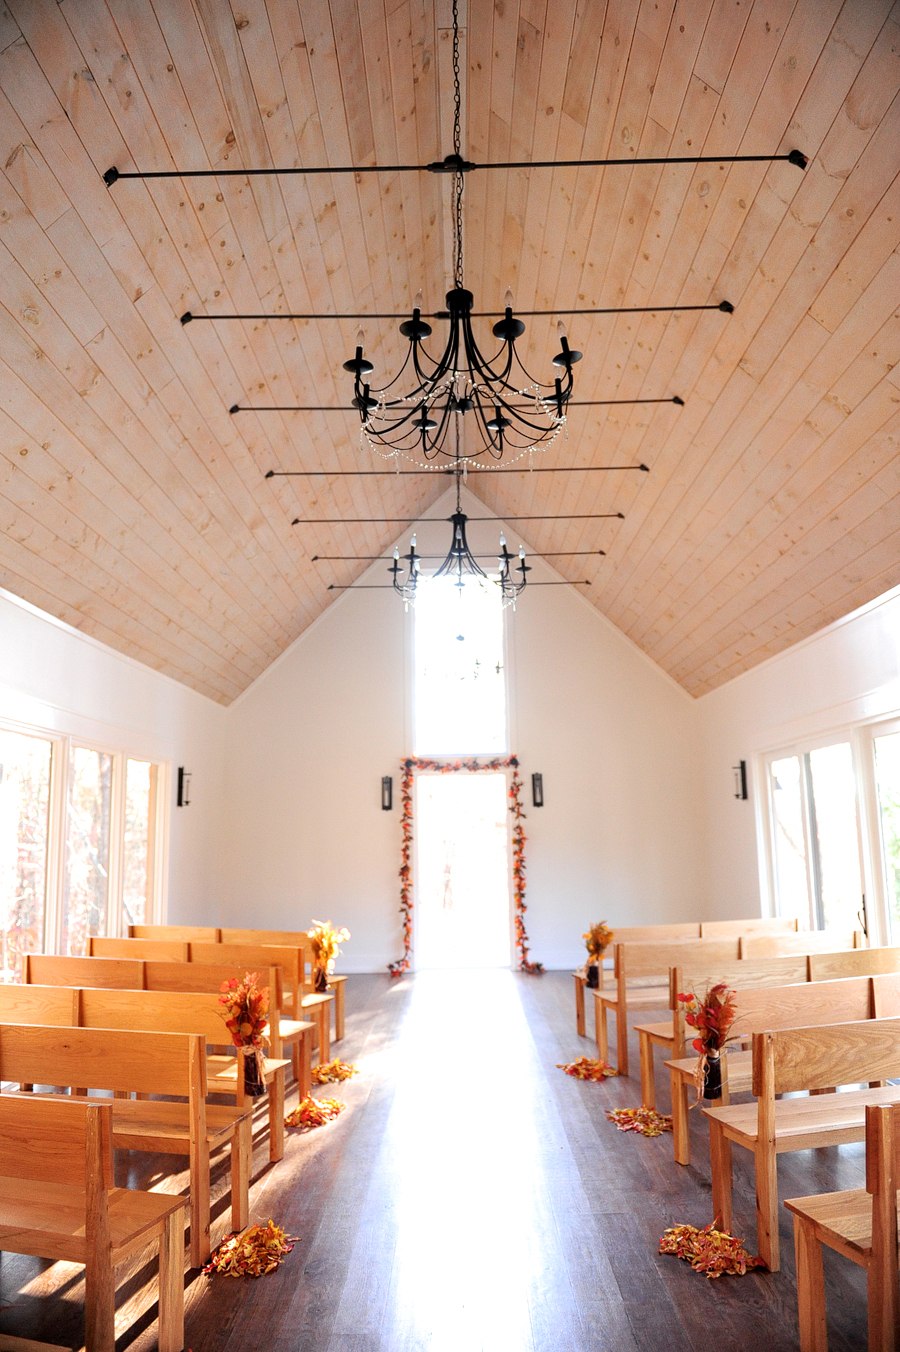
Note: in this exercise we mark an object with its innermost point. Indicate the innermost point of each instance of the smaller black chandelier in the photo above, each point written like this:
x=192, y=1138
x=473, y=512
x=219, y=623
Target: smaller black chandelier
x=512, y=411
x=461, y=565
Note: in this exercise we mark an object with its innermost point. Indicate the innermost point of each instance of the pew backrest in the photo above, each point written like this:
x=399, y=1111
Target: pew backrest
x=154, y=1011
x=53, y=1006
x=51, y=969
x=101, y=1058
x=182, y=934
x=204, y=978
x=654, y=959
x=64, y=1141
x=654, y=934
x=805, y=941
x=853, y=962
x=886, y=995
x=727, y=929
x=742, y=974
x=254, y=956
x=809, y=1004
x=164, y=950
x=791, y=1060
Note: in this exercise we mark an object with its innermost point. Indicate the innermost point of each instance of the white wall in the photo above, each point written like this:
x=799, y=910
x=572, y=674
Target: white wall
x=615, y=739
x=847, y=673
x=52, y=677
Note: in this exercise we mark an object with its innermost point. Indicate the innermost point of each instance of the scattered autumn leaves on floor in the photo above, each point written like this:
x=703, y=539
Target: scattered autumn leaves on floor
x=645, y=1121
x=311, y=1112
x=709, y=1250
x=586, y=1069
x=254, y=1253
x=330, y=1072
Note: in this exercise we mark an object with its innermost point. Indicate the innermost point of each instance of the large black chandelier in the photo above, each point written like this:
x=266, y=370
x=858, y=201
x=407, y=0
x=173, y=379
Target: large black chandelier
x=460, y=563
x=511, y=410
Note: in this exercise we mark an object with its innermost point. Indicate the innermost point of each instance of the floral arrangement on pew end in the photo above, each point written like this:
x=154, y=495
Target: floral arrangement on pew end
x=312, y=1112
x=246, y=1017
x=709, y=1250
x=597, y=940
x=712, y=1017
x=326, y=941
x=254, y=1253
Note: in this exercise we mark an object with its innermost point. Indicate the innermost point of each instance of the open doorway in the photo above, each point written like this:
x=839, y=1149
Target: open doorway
x=462, y=870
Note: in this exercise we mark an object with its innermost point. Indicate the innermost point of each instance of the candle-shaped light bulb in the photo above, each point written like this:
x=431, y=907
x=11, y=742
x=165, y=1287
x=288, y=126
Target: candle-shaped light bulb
x=522, y=552
x=560, y=329
x=396, y=554
x=361, y=338
x=417, y=302
x=509, y=302
x=502, y=540
x=412, y=543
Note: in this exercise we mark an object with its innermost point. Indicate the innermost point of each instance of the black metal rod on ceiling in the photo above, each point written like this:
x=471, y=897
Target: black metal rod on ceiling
x=453, y=165
x=411, y=520
x=387, y=586
x=350, y=408
x=401, y=473
x=725, y=306
x=386, y=558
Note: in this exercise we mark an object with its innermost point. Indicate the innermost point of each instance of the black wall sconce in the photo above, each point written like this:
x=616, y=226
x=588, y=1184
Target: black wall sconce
x=184, y=787
x=537, y=790
x=740, y=779
x=387, y=793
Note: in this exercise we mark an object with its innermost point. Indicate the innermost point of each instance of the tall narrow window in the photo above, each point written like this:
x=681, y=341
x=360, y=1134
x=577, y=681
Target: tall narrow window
x=86, y=879
x=137, y=859
x=887, y=770
x=24, y=808
x=460, y=682
x=790, y=841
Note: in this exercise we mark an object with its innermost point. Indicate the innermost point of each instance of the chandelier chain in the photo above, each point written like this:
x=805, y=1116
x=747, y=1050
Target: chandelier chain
x=458, y=178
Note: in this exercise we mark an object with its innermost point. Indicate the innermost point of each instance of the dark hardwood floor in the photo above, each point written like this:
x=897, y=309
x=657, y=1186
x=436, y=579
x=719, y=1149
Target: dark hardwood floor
x=471, y=1199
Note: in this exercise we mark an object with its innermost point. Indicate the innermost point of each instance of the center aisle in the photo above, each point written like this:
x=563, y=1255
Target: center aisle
x=475, y=1199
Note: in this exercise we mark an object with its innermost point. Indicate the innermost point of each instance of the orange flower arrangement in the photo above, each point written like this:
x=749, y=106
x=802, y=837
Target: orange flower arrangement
x=246, y=1016
x=712, y=1017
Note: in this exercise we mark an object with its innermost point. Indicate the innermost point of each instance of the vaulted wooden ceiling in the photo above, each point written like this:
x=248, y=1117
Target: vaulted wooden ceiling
x=135, y=507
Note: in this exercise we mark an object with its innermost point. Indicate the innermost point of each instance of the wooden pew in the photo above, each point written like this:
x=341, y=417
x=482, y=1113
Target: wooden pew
x=181, y=933
x=294, y=939
x=632, y=934
x=180, y=1012
x=58, y=1201
x=163, y=950
x=741, y=974
x=861, y=1224
x=648, y=962
x=171, y=1064
x=730, y=929
x=787, y=1062
x=853, y=962
x=53, y=969
x=806, y=941
x=759, y=1008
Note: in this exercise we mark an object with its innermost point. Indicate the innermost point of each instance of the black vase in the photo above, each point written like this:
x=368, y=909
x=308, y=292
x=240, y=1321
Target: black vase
x=593, y=976
x=253, y=1080
x=321, y=981
x=712, y=1078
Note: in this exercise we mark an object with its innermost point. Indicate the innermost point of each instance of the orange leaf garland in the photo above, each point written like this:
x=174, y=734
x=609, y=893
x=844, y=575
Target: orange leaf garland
x=645, y=1121
x=586, y=1069
x=253, y=1253
x=310, y=1113
x=709, y=1250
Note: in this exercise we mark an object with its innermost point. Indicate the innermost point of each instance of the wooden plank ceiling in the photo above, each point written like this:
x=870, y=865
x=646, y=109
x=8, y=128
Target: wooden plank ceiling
x=133, y=506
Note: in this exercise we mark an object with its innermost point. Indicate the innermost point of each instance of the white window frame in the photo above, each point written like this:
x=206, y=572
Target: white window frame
x=61, y=744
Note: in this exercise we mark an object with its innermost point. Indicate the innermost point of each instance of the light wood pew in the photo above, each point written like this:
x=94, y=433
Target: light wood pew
x=294, y=939
x=853, y=962
x=290, y=959
x=180, y=933
x=631, y=934
x=189, y=1012
x=729, y=929
x=54, y=969
x=786, y=1062
x=861, y=1224
x=163, y=950
x=171, y=1064
x=805, y=941
x=58, y=1201
x=760, y=1008
x=649, y=962
x=740, y=974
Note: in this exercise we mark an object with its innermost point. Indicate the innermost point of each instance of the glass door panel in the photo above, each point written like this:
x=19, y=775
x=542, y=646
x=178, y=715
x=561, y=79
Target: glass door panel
x=887, y=774
x=837, y=883
x=86, y=875
x=790, y=843
x=140, y=810
x=24, y=809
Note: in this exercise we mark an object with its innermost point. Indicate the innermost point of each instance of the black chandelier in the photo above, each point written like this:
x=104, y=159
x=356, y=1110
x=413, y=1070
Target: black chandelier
x=460, y=563
x=511, y=415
